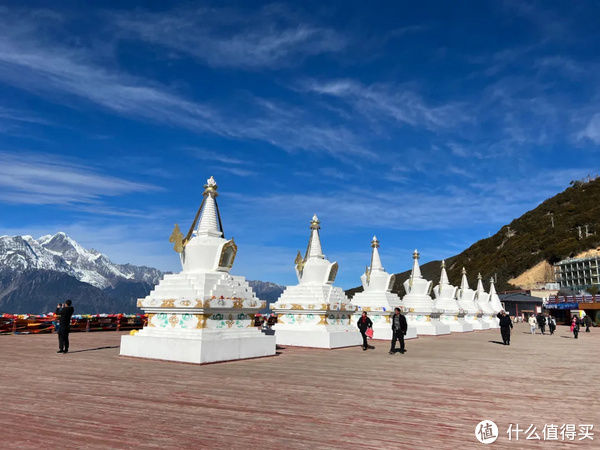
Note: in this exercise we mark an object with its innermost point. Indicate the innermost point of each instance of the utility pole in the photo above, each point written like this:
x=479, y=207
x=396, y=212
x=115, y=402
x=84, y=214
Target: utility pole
x=579, y=231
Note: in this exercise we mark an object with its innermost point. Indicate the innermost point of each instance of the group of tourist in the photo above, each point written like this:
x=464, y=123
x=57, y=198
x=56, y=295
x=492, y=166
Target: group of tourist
x=540, y=321
x=399, y=328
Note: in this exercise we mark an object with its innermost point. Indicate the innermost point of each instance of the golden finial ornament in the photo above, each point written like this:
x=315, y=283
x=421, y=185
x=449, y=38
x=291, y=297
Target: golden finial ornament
x=210, y=188
x=315, y=223
x=374, y=242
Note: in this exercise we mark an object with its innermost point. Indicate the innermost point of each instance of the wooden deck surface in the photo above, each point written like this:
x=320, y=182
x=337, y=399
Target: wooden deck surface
x=432, y=396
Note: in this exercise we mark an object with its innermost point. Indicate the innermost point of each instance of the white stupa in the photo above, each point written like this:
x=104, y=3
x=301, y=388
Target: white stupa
x=482, y=299
x=419, y=305
x=445, y=302
x=495, y=302
x=314, y=313
x=202, y=314
x=466, y=302
x=377, y=297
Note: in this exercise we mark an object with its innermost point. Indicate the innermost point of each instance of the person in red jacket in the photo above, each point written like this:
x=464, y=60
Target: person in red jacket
x=575, y=327
x=363, y=324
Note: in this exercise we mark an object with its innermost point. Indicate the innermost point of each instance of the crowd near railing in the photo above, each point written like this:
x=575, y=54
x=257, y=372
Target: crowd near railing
x=47, y=323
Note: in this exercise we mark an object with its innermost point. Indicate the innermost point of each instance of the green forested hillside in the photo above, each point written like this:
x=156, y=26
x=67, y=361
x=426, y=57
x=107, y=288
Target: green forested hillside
x=527, y=240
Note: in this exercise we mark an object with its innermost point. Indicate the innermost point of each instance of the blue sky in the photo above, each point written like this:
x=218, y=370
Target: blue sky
x=429, y=124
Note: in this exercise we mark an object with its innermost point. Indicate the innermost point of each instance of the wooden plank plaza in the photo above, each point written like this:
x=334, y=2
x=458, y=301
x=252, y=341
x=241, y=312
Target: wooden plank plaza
x=432, y=396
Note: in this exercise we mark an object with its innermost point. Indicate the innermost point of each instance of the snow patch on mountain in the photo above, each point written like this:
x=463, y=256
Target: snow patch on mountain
x=62, y=254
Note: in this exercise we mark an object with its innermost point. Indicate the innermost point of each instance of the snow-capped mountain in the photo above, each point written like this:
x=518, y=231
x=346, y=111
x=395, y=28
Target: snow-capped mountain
x=60, y=253
x=35, y=274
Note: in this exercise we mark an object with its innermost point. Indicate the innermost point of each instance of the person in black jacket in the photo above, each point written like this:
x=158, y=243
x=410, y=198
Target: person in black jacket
x=551, y=324
x=541, y=320
x=65, y=312
x=505, y=326
x=363, y=324
x=399, y=327
x=587, y=321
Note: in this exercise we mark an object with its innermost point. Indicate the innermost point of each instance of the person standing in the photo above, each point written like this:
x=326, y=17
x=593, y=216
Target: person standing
x=64, y=326
x=541, y=320
x=575, y=327
x=532, y=323
x=363, y=324
x=551, y=324
x=399, y=328
x=505, y=326
x=588, y=322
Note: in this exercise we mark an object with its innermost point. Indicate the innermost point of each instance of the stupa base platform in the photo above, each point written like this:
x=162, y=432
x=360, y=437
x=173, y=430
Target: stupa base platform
x=479, y=325
x=198, y=350
x=431, y=328
x=458, y=326
x=428, y=324
x=491, y=323
x=318, y=338
x=456, y=322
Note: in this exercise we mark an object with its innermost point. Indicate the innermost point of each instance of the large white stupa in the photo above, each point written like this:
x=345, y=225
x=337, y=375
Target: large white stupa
x=466, y=301
x=377, y=297
x=445, y=302
x=314, y=313
x=203, y=313
x=418, y=303
x=482, y=299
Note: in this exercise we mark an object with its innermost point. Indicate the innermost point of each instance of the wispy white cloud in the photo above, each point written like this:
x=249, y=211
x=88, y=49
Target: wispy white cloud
x=35, y=66
x=39, y=179
x=494, y=201
x=13, y=122
x=237, y=171
x=591, y=130
x=269, y=37
x=400, y=103
x=215, y=155
x=13, y=115
x=66, y=74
